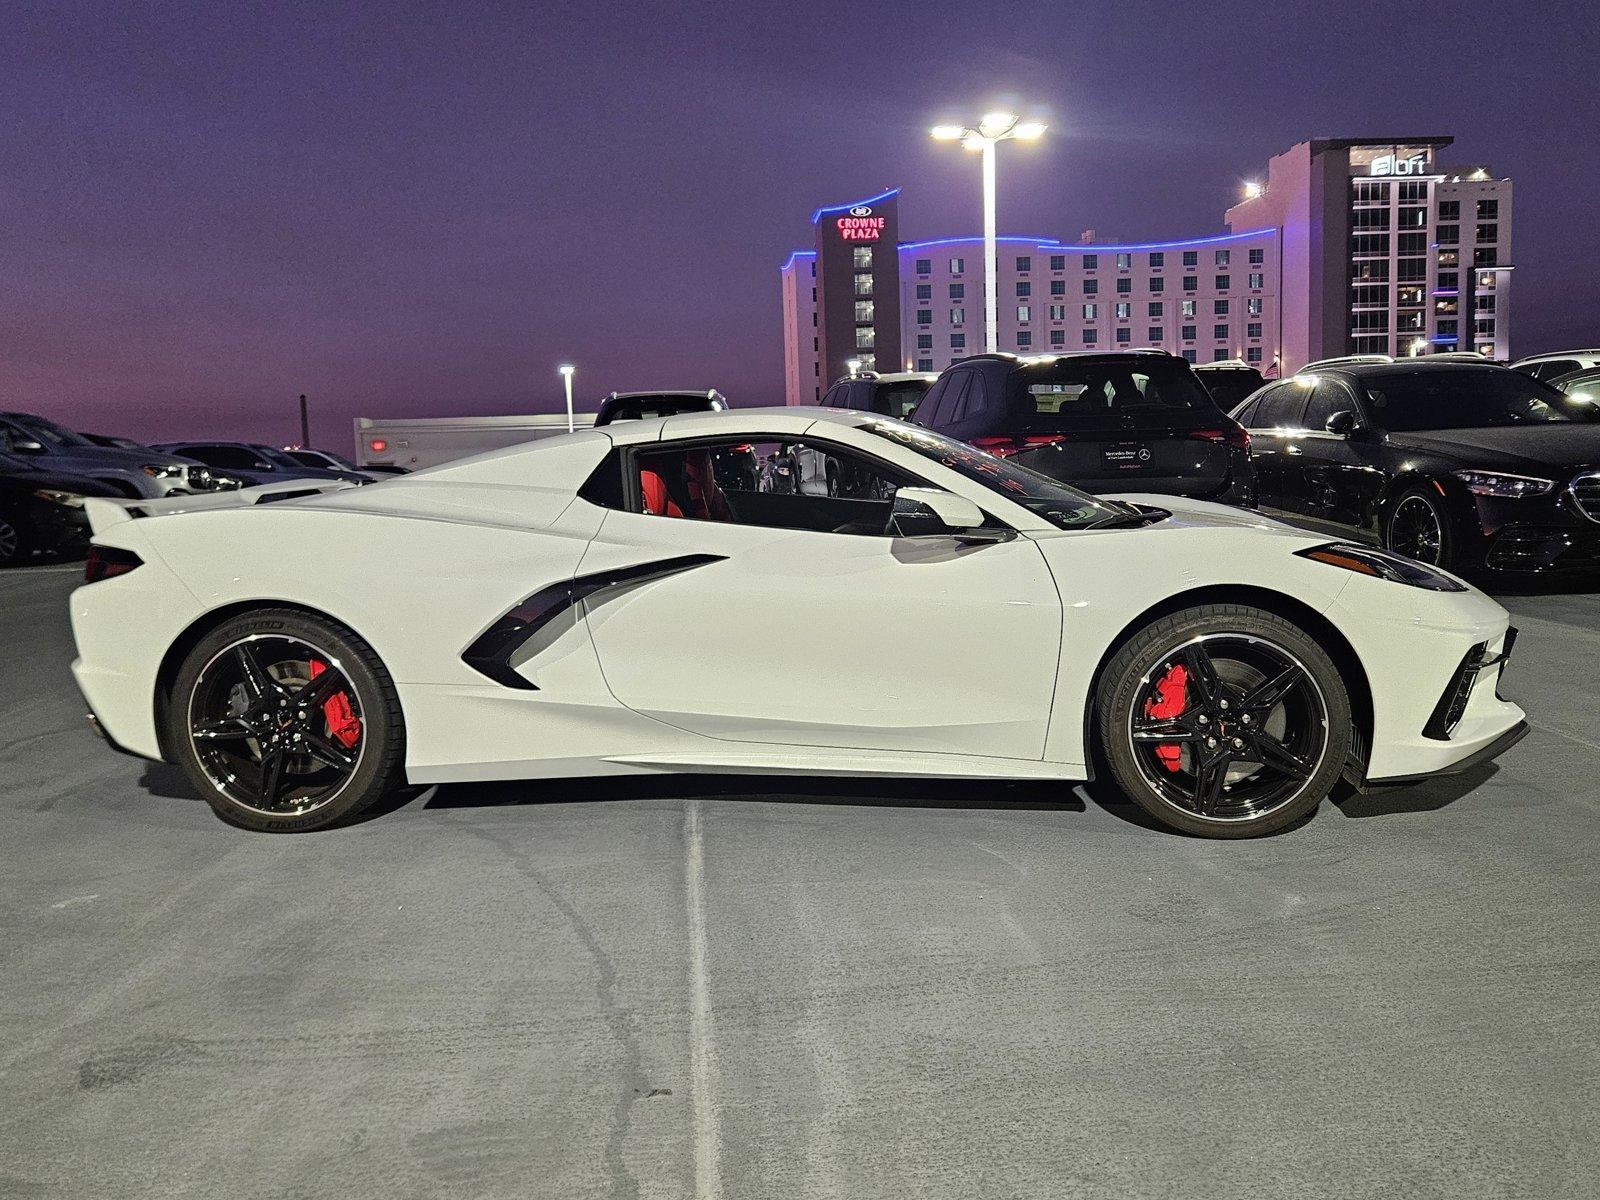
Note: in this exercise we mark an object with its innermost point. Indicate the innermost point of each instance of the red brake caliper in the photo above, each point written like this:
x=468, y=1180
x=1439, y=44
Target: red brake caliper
x=1169, y=701
x=343, y=723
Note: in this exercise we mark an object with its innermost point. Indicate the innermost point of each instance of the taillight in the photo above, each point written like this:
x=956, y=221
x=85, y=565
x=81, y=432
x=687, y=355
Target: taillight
x=1231, y=434
x=1005, y=447
x=107, y=562
x=378, y=445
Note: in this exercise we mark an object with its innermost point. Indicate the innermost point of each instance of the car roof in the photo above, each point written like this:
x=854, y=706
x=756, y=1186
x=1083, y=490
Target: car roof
x=1419, y=366
x=1592, y=352
x=657, y=393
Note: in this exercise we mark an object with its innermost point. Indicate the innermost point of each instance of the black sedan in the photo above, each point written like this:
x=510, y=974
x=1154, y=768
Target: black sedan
x=1468, y=467
x=42, y=510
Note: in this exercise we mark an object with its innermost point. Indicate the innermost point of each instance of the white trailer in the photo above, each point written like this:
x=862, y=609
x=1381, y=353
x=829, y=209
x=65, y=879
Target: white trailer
x=416, y=442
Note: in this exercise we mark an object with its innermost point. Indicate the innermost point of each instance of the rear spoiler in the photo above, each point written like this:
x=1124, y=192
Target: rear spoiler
x=103, y=514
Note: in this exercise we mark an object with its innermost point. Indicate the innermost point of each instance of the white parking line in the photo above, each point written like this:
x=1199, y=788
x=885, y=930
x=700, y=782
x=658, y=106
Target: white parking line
x=702, y=1054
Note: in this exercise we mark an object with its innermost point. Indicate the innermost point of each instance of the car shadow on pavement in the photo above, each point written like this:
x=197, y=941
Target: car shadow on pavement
x=885, y=792
x=1428, y=796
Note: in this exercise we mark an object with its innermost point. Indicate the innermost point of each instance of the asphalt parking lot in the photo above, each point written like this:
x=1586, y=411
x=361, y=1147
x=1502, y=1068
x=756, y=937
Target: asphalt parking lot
x=769, y=989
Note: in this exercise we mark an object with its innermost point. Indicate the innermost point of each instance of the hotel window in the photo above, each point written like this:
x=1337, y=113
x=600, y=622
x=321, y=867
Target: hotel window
x=1371, y=271
x=1408, y=297
x=1488, y=233
x=1369, y=245
x=1155, y=333
x=1447, y=306
x=1090, y=261
x=924, y=266
x=1191, y=258
x=1219, y=354
x=1024, y=313
x=1371, y=191
x=1412, y=322
x=1222, y=257
x=1257, y=281
x=924, y=341
x=1370, y=218
x=1188, y=308
x=1449, y=258
x=863, y=257
x=864, y=312
x=1370, y=345
x=1412, y=190
x=1091, y=287
x=1156, y=307
x=1024, y=340
x=1124, y=287
x=1449, y=210
x=1412, y=218
x=1488, y=210
x=814, y=345
x=1186, y=332
x=813, y=266
x=1411, y=243
x=1124, y=336
x=1252, y=329
x=1190, y=282
x=1219, y=308
x=1449, y=280
x=1024, y=262
x=1091, y=311
x=863, y=285
x=1158, y=283
x=1220, y=332
x=1364, y=296
x=1090, y=337
x=813, y=320
x=1449, y=329
x=1157, y=260
x=1058, y=287
x=1124, y=311
x=1370, y=322
x=958, y=291
x=957, y=265
x=1190, y=356
x=1058, y=312
x=1024, y=288
x=924, y=291
x=1449, y=235
x=924, y=315
x=1224, y=283
x=958, y=316
x=1058, y=262
x=958, y=341
x=1485, y=282
x=1412, y=270
x=924, y=364
x=1483, y=256
x=1258, y=258
x=1252, y=354
x=864, y=338
x=1484, y=326
x=1124, y=261
x=1058, y=337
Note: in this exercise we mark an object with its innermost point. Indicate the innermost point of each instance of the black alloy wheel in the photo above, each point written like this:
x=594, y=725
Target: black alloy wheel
x=1224, y=720
x=12, y=547
x=1418, y=528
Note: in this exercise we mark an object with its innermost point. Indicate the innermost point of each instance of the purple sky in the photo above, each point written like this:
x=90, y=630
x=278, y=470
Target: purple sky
x=420, y=209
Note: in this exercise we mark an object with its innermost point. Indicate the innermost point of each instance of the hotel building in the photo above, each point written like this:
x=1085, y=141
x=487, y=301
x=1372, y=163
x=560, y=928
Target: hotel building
x=1348, y=247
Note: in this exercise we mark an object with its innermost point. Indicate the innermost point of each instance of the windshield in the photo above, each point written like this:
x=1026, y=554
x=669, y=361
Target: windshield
x=50, y=432
x=1231, y=388
x=282, y=458
x=898, y=399
x=1063, y=506
x=1414, y=402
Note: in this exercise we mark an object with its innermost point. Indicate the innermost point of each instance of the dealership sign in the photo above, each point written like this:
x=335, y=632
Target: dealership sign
x=1393, y=164
x=860, y=225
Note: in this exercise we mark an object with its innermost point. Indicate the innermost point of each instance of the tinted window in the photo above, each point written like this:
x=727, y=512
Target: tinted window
x=836, y=397
x=49, y=432
x=1280, y=407
x=898, y=400
x=1231, y=387
x=1467, y=399
x=1070, y=394
x=221, y=456
x=937, y=409
x=1327, y=398
x=1549, y=370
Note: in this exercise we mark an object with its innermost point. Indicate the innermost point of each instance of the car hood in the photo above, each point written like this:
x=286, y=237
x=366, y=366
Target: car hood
x=1550, y=447
x=1202, y=514
x=26, y=475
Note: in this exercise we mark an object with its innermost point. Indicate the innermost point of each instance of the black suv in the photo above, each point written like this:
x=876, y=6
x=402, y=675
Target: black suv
x=1129, y=421
x=641, y=406
x=895, y=395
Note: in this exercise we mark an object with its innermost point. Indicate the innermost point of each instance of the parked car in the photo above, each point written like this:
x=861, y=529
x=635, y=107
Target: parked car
x=115, y=443
x=892, y=394
x=1128, y=421
x=1230, y=381
x=1583, y=384
x=1561, y=362
x=143, y=472
x=326, y=460
x=1459, y=465
x=973, y=620
x=249, y=464
x=640, y=406
x=42, y=511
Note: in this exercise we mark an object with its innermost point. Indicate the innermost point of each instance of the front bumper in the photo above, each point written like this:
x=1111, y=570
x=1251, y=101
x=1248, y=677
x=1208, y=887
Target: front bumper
x=1534, y=548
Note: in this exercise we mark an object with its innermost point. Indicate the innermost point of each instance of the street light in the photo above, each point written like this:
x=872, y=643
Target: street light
x=566, y=370
x=853, y=365
x=993, y=129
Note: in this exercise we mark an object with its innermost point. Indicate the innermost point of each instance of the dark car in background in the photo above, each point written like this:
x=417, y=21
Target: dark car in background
x=140, y=473
x=894, y=394
x=42, y=511
x=1128, y=421
x=1231, y=382
x=641, y=406
x=248, y=464
x=326, y=460
x=1456, y=464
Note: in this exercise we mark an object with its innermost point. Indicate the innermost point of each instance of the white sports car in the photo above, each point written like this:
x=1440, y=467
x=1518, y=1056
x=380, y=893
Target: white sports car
x=635, y=599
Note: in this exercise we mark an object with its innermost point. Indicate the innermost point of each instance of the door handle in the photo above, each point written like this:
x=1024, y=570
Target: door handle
x=1293, y=450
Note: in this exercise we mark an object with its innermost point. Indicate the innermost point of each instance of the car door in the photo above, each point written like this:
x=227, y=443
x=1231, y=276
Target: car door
x=1325, y=473
x=1275, y=414
x=797, y=620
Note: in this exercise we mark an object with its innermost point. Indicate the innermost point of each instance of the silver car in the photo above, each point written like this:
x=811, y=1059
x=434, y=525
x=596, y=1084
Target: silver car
x=139, y=474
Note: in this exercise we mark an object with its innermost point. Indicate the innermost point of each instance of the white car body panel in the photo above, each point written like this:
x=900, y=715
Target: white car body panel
x=794, y=651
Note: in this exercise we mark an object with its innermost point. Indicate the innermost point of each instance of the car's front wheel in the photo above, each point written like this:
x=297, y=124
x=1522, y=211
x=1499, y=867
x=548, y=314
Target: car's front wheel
x=285, y=721
x=1418, y=526
x=13, y=545
x=1224, y=720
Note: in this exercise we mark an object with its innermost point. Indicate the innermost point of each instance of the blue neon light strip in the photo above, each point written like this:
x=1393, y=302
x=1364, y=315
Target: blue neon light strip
x=797, y=254
x=1099, y=247
x=1444, y=341
x=847, y=207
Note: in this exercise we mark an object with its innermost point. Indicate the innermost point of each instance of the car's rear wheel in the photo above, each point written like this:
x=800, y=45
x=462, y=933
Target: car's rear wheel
x=1224, y=720
x=1418, y=527
x=13, y=546
x=285, y=722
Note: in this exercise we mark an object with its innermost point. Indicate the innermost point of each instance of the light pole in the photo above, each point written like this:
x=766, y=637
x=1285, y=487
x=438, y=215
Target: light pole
x=853, y=365
x=566, y=370
x=991, y=131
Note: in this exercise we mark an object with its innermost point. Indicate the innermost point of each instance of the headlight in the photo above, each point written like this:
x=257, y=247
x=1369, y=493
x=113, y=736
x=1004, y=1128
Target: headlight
x=66, y=499
x=164, y=471
x=224, y=483
x=1380, y=564
x=1507, y=487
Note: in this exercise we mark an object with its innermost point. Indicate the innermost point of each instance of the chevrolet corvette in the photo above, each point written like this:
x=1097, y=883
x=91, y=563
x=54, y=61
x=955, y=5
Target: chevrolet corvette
x=615, y=601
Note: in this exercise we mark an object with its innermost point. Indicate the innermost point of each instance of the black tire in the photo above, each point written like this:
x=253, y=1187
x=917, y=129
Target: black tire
x=1156, y=758
x=1417, y=525
x=14, y=545
x=230, y=727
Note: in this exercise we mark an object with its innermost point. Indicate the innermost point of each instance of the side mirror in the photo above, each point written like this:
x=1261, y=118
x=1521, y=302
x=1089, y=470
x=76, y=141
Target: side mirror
x=28, y=447
x=934, y=512
x=260, y=465
x=1343, y=424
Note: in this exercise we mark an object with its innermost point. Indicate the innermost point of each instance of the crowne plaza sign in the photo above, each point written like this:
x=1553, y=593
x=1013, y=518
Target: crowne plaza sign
x=860, y=225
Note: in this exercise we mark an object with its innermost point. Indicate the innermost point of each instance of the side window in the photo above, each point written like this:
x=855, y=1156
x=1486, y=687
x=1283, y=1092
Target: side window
x=835, y=397
x=1549, y=370
x=1327, y=398
x=950, y=403
x=814, y=486
x=1281, y=407
x=1244, y=414
x=931, y=401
